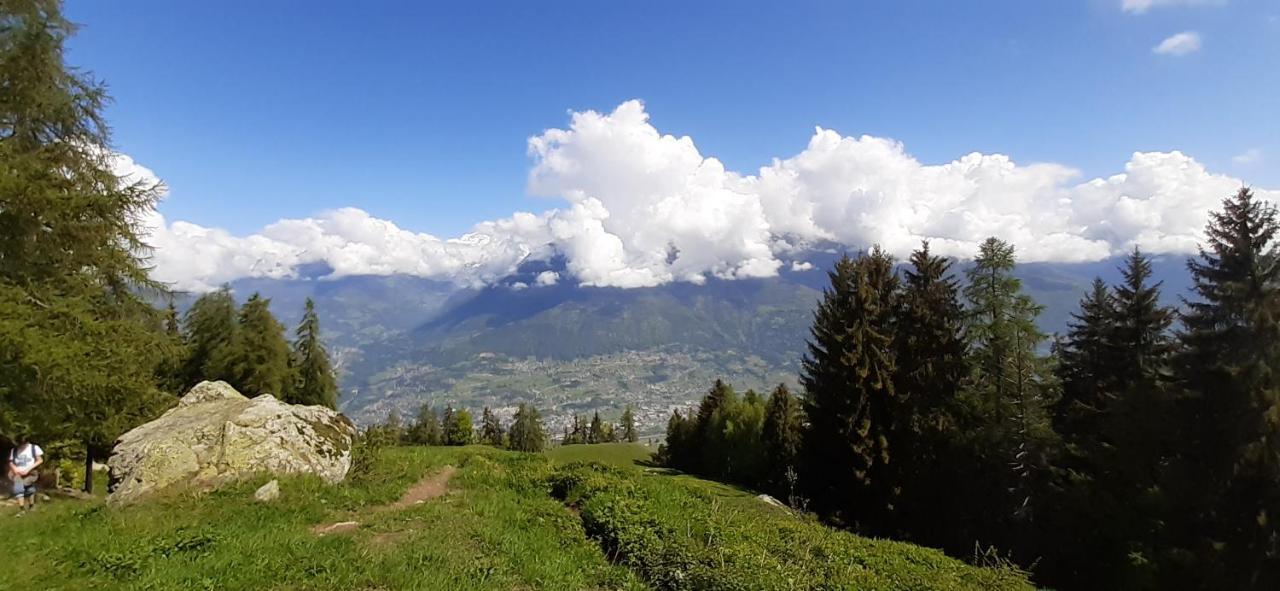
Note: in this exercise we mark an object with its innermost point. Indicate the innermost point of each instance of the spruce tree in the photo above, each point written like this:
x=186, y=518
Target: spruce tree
x=848, y=379
x=1229, y=457
x=629, y=426
x=259, y=354
x=783, y=435
x=931, y=355
x=208, y=331
x=596, y=434
x=79, y=344
x=1088, y=366
x=527, y=433
x=457, y=427
x=426, y=427
x=314, y=379
x=490, y=428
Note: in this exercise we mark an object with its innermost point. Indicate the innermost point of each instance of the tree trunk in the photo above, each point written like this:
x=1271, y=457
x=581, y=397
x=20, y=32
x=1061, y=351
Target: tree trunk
x=88, y=468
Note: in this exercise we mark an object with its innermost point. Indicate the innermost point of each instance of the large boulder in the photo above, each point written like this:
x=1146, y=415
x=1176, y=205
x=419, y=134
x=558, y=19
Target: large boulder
x=215, y=435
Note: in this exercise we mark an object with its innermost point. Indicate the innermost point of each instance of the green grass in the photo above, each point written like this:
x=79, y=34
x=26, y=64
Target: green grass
x=498, y=530
x=614, y=454
x=499, y=527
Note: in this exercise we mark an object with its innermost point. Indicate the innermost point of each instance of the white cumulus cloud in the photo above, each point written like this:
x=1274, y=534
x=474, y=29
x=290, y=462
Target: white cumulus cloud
x=642, y=208
x=1179, y=44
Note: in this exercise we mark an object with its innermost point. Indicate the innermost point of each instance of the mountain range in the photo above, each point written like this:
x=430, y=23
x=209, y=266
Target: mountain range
x=401, y=341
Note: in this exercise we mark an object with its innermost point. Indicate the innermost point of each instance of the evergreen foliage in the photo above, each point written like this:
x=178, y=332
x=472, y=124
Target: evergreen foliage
x=315, y=381
x=259, y=353
x=491, y=432
x=628, y=425
x=782, y=437
x=527, y=433
x=1228, y=457
x=80, y=347
x=426, y=428
x=457, y=427
x=848, y=376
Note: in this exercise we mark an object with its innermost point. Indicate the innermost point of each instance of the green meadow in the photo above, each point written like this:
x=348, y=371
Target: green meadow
x=585, y=518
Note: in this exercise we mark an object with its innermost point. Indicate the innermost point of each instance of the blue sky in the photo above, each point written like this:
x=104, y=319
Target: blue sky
x=419, y=113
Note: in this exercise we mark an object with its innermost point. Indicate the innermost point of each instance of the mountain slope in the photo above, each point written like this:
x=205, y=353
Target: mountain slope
x=404, y=341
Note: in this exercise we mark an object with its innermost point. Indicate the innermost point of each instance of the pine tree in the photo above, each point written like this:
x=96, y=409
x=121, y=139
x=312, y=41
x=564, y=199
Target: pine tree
x=209, y=329
x=457, y=427
x=596, y=434
x=79, y=346
x=527, y=433
x=1230, y=454
x=426, y=427
x=848, y=377
x=315, y=382
x=259, y=354
x=782, y=438
x=490, y=428
x=629, y=425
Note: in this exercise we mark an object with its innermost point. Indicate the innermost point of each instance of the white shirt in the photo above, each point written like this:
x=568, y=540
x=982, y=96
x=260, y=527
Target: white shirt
x=26, y=455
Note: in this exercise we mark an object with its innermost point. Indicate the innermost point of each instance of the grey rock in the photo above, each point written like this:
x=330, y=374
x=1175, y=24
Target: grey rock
x=215, y=435
x=267, y=492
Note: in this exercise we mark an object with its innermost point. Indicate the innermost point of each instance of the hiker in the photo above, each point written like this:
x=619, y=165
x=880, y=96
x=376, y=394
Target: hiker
x=23, y=461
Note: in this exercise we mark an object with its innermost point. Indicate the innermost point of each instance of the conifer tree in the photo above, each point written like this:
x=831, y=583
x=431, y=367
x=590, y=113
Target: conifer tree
x=209, y=329
x=1229, y=457
x=79, y=345
x=527, y=433
x=259, y=355
x=596, y=434
x=426, y=427
x=1088, y=367
x=490, y=428
x=1012, y=387
x=931, y=355
x=848, y=378
x=782, y=437
x=629, y=426
x=457, y=427
x=315, y=382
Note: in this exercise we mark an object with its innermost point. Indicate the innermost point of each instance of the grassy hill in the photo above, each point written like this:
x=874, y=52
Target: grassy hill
x=466, y=518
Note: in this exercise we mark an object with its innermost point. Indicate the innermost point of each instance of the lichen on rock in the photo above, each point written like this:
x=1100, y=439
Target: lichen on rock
x=215, y=435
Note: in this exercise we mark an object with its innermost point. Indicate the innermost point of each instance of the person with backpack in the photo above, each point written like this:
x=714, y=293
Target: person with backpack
x=23, y=461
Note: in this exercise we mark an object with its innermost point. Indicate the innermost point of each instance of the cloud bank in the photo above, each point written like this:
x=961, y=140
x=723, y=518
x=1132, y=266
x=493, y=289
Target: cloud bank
x=641, y=208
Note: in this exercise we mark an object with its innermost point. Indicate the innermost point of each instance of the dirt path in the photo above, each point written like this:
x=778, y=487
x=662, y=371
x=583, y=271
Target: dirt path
x=424, y=490
x=429, y=487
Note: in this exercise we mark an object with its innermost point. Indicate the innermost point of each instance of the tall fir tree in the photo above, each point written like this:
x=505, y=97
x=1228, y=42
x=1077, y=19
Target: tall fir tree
x=628, y=424
x=848, y=378
x=1087, y=366
x=426, y=427
x=490, y=428
x=782, y=437
x=79, y=344
x=931, y=354
x=259, y=357
x=527, y=432
x=596, y=433
x=208, y=331
x=457, y=427
x=315, y=382
x=1229, y=457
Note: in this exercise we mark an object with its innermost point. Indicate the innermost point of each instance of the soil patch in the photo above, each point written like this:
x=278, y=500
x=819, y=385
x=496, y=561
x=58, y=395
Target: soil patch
x=424, y=490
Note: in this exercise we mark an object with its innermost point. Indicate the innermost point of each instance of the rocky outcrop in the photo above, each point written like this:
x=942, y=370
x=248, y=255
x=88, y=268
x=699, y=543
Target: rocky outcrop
x=216, y=435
